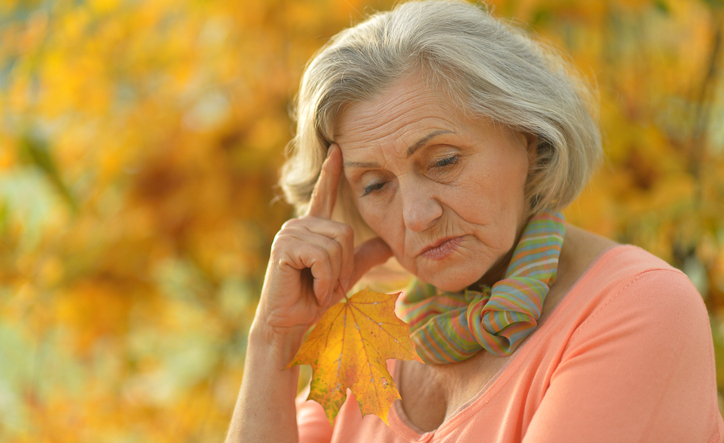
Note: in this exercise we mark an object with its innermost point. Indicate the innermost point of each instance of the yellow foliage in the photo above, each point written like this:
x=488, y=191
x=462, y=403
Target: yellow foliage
x=349, y=348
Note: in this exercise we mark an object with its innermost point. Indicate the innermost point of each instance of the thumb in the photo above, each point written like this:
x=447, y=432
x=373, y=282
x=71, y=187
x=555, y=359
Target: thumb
x=368, y=255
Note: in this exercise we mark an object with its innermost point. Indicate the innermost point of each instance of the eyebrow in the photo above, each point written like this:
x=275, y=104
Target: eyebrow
x=423, y=141
x=411, y=150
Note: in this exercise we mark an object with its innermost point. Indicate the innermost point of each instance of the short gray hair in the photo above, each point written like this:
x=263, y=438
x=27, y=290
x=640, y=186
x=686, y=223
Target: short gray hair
x=487, y=67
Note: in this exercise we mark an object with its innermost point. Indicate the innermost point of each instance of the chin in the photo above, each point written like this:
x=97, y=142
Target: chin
x=449, y=280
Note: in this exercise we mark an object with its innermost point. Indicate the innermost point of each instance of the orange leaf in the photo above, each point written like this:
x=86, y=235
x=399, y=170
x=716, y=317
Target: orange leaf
x=349, y=347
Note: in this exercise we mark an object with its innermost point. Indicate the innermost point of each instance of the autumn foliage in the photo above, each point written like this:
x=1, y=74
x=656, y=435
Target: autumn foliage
x=349, y=348
x=139, y=148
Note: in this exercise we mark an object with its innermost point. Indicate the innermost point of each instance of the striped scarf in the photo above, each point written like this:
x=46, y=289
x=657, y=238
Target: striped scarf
x=451, y=327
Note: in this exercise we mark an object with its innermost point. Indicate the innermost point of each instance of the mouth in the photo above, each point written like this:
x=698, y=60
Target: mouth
x=441, y=248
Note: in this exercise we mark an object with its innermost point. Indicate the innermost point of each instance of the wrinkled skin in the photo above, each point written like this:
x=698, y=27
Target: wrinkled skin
x=464, y=183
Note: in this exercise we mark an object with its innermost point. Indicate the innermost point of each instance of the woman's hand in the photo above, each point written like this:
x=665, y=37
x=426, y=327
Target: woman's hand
x=313, y=263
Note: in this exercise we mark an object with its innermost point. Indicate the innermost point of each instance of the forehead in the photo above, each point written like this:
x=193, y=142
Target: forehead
x=397, y=118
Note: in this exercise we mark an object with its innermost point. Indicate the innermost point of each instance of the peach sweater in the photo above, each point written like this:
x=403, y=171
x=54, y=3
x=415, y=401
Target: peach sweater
x=626, y=356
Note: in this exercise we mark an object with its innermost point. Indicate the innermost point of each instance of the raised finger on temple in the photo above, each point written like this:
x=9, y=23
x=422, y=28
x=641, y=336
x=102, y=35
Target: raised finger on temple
x=324, y=195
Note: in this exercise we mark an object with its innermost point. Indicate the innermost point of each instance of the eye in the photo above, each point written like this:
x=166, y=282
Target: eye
x=373, y=187
x=446, y=161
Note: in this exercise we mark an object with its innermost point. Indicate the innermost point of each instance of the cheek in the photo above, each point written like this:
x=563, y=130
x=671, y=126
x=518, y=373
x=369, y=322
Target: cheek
x=506, y=185
x=385, y=221
x=375, y=216
x=490, y=197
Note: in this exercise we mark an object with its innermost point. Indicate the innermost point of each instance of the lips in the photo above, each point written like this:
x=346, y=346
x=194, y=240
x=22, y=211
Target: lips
x=441, y=248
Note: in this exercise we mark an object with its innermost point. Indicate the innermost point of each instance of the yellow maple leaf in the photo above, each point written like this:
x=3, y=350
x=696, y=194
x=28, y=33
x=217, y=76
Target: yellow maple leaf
x=349, y=347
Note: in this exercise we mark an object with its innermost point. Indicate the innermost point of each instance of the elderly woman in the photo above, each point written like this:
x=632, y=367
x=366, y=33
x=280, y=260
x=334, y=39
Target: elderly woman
x=455, y=141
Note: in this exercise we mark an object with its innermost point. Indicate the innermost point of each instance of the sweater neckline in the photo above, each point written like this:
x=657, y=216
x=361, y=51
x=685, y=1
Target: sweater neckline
x=400, y=423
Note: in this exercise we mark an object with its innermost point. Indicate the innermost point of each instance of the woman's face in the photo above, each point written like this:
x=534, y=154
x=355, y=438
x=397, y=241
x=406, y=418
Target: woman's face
x=445, y=191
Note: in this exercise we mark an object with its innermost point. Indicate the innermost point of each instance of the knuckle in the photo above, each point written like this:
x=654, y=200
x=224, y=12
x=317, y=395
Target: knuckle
x=347, y=233
x=290, y=224
x=279, y=246
x=280, y=239
x=336, y=248
x=278, y=257
x=319, y=252
x=281, y=260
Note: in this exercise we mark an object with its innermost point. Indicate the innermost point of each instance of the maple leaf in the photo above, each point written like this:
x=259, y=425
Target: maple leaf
x=349, y=347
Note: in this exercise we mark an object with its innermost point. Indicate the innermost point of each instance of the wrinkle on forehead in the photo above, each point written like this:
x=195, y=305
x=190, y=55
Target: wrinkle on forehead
x=397, y=117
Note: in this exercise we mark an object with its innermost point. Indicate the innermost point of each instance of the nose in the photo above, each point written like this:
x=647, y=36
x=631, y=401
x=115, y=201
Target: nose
x=420, y=209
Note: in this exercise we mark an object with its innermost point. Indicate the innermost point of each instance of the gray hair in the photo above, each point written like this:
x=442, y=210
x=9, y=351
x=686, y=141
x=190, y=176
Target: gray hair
x=487, y=67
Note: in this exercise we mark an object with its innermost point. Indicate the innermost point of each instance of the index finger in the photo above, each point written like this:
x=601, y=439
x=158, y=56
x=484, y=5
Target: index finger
x=324, y=195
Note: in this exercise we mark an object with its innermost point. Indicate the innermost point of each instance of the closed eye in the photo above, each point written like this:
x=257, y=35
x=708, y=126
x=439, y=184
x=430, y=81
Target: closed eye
x=446, y=161
x=373, y=187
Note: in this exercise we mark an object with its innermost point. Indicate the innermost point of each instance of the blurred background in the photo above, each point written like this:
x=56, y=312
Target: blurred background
x=140, y=142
